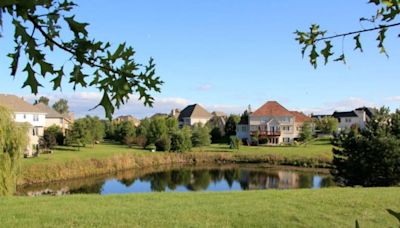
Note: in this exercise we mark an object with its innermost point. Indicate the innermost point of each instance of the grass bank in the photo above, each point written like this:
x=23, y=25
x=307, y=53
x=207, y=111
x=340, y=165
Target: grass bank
x=334, y=207
x=67, y=164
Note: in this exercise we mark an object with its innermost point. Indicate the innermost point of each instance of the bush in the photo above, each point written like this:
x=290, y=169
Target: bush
x=263, y=141
x=57, y=134
x=151, y=147
x=180, y=143
x=141, y=141
x=234, y=142
x=200, y=136
x=254, y=141
x=216, y=135
x=129, y=140
x=163, y=143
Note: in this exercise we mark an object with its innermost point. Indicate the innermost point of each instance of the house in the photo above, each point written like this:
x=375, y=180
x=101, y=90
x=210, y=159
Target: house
x=175, y=113
x=64, y=121
x=26, y=113
x=358, y=117
x=193, y=114
x=130, y=118
x=218, y=119
x=273, y=122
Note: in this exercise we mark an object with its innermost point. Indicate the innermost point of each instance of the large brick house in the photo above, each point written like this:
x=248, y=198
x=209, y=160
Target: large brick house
x=273, y=122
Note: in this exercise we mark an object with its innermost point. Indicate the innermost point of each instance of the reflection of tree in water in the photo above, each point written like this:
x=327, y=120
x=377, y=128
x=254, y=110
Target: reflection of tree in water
x=217, y=175
x=200, y=181
x=92, y=188
x=306, y=180
x=231, y=175
x=327, y=182
x=127, y=181
x=179, y=178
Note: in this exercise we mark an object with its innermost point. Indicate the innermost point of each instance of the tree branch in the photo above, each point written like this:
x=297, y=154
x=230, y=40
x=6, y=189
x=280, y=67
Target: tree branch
x=357, y=32
x=71, y=51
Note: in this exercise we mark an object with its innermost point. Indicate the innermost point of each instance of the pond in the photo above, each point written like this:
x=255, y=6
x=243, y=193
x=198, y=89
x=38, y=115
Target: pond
x=233, y=177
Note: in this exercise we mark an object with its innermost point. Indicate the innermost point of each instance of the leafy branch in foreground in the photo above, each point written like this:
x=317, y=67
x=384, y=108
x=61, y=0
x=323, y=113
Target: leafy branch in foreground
x=387, y=12
x=38, y=27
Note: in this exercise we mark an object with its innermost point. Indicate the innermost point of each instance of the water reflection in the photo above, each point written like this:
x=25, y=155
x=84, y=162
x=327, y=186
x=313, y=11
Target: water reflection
x=214, y=178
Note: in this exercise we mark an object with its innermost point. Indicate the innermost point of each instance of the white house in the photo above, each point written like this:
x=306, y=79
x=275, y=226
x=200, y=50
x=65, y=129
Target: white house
x=192, y=115
x=273, y=122
x=358, y=117
x=26, y=113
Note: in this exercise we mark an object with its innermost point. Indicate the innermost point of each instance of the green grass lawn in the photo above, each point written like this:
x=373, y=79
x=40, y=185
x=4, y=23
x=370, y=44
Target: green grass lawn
x=334, y=207
x=319, y=148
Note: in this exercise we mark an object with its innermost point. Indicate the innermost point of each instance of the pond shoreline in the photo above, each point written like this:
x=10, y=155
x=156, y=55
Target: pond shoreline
x=77, y=169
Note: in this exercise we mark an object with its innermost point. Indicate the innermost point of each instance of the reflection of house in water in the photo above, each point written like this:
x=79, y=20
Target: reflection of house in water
x=276, y=180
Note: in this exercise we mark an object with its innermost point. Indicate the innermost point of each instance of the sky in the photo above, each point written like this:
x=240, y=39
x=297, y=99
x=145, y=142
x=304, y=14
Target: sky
x=228, y=54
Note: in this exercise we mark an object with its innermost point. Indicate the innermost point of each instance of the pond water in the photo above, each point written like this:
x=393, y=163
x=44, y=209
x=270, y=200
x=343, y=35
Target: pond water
x=190, y=178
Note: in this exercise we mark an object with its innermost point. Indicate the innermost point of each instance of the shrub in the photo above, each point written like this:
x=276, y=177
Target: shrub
x=201, y=136
x=141, y=141
x=180, y=142
x=163, y=143
x=263, y=140
x=254, y=141
x=234, y=142
x=129, y=140
x=57, y=133
x=47, y=141
x=216, y=135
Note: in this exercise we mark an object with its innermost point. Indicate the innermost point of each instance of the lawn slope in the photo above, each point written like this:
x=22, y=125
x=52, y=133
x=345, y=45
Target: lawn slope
x=335, y=207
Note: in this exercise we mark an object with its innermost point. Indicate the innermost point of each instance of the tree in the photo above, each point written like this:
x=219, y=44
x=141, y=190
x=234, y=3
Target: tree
x=216, y=135
x=306, y=133
x=43, y=100
x=381, y=22
x=123, y=130
x=327, y=125
x=57, y=133
x=372, y=156
x=13, y=141
x=47, y=141
x=201, y=136
x=38, y=27
x=230, y=126
x=96, y=128
x=163, y=143
x=156, y=129
x=61, y=106
x=181, y=140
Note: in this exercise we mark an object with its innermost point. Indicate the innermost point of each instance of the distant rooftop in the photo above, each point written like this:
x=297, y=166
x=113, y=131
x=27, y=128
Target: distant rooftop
x=17, y=104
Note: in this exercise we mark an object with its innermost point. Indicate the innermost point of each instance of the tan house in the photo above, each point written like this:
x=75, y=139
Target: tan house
x=25, y=112
x=273, y=122
x=55, y=118
x=130, y=118
x=192, y=115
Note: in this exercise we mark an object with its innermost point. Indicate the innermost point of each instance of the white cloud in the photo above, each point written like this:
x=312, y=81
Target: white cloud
x=393, y=99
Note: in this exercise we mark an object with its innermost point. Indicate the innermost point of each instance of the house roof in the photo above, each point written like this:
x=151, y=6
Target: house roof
x=272, y=108
x=344, y=114
x=220, y=114
x=194, y=111
x=369, y=111
x=18, y=104
x=299, y=117
x=51, y=113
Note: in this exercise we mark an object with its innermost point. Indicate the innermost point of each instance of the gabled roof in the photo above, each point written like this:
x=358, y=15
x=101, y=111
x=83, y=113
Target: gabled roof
x=344, y=114
x=194, y=111
x=369, y=111
x=220, y=114
x=17, y=104
x=299, y=117
x=272, y=108
x=51, y=113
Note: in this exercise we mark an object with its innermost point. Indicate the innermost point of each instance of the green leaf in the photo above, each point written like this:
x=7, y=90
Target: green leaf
x=57, y=80
x=31, y=79
x=381, y=38
x=395, y=214
x=313, y=56
x=45, y=68
x=358, y=43
x=15, y=59
x=77, y=77
x=326, y=52
x=106, y=104
x=341, y=58
x=20, y=31
x=76, y=27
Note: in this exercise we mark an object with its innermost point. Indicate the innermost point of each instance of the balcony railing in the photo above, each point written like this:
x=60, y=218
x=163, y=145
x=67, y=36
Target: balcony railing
x=266, y=133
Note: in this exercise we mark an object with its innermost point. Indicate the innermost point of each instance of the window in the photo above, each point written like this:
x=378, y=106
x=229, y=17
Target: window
x=35, y=117
x=348, y=120
x=244, y=128
x=24, y=116
x=35, y=131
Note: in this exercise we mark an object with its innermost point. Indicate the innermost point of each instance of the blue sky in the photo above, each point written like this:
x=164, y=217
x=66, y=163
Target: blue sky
x=228, y=54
